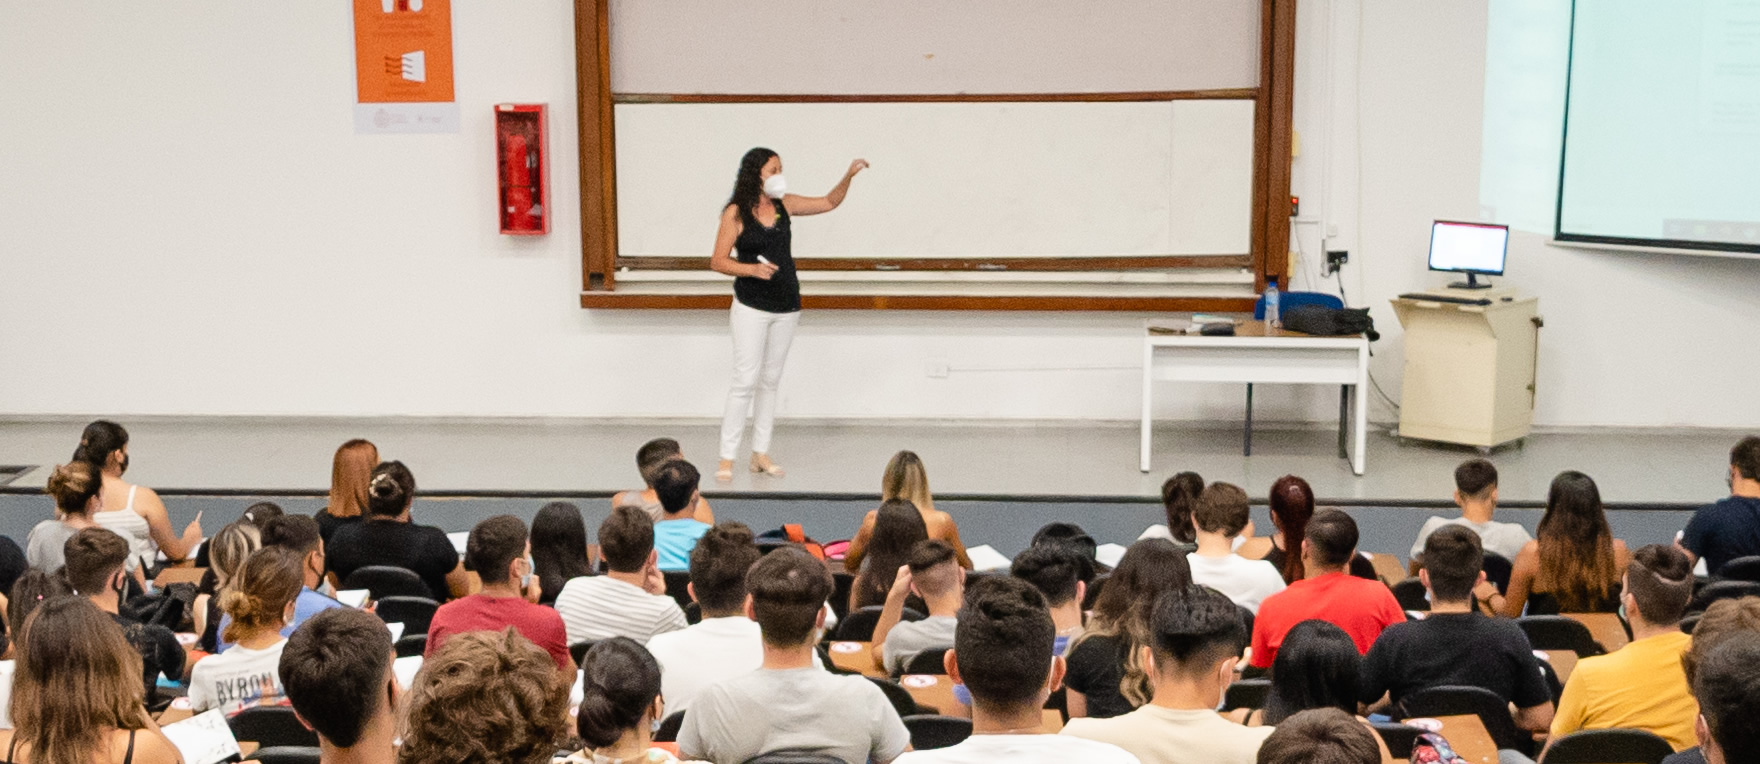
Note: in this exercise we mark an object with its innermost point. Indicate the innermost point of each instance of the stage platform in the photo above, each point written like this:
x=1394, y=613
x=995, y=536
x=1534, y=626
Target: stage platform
x=1002, y=480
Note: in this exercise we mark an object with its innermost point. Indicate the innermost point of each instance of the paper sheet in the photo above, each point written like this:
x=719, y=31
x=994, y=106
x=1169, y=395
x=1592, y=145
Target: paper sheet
x=203, y=739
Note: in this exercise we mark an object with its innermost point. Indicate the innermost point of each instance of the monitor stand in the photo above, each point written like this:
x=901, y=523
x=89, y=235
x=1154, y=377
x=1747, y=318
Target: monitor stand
x=1470, y=283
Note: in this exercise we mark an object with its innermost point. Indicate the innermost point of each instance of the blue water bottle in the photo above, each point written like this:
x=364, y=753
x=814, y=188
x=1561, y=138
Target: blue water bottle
x=1272, y=321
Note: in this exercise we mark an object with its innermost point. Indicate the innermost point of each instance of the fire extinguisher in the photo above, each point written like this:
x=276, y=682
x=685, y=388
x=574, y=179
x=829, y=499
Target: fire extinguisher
x=522, y=215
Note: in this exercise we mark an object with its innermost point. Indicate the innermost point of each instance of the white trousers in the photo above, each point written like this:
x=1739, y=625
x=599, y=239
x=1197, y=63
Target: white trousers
x=760, y=348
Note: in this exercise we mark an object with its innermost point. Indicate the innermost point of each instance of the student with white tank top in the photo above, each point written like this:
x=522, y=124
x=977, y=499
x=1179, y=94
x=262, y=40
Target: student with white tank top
x=141, y=519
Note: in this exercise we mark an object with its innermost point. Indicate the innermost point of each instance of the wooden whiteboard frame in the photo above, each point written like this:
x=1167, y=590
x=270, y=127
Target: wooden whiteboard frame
x=1271, y=205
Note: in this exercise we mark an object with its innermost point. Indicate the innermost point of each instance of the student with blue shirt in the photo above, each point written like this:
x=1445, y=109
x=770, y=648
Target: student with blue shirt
x=675, y=483
x=298, y=534
x=1730, y=528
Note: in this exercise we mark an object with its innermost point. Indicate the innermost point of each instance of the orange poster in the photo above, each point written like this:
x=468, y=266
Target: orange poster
x=403, y=51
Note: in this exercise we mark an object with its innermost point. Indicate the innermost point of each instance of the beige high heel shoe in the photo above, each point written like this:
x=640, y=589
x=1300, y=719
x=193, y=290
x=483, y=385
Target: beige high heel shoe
x=762, y=465
x=724, y=472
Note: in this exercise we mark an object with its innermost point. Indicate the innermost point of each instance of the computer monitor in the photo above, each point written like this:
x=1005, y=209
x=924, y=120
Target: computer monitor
x=1476, y=249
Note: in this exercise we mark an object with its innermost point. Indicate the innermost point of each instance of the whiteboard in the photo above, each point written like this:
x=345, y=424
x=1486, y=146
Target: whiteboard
x=932, y=46
x=951, y=179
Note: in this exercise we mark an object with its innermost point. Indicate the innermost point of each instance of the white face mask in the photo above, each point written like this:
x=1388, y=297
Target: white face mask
x=775, y=186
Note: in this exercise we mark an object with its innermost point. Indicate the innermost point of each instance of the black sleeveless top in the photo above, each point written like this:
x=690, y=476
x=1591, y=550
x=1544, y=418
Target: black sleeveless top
x=782, y=293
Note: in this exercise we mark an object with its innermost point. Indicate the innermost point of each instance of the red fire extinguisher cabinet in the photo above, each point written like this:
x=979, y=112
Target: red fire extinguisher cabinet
x=522, y=163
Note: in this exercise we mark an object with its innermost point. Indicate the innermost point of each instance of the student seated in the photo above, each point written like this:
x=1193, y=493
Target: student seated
x=898, y=528
x=258, y=604
x=1361, y=607
x=1730, y=528
x=298, y=534
x=1106, y=674
x=649, y=458
x=620, y=704
x=487, y=696
x=788, y=704
x=1724, y=619
x=1178, y=496
x=559, y=548
x=1292, y=506
x=906, y=479
x=1056, y=571
x=1456, y=644
x=1326, y=735
x=76, y=487
x=630, y=600
x=1575, y=564
x=725, y=643
x=133, y=512
x=387, y=536
x=1220, y=514
x=336, y=671
x=676, y=534
x=1475, y=492
x=1728, y=691
x=1195, y=640
x=227, y=551
x=1317, y=667
x=351, y=470
x=501, y=554
x=1002, y=655
x=1642, y=685
x=934, y=574
x=77, y=692
x=97, y=563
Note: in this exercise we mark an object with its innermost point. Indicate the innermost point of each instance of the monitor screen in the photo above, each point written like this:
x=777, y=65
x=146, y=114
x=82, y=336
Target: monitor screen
x=1468, y=247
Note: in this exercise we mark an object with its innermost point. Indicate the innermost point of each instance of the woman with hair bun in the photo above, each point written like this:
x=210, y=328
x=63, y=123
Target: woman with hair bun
x=387, y=536
x=1178, y=496
x=620, y=704
x=77, y=488
x=754, y=245
x=259, y=602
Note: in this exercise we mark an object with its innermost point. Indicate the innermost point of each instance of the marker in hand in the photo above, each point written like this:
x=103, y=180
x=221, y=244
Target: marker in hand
x=766, y=269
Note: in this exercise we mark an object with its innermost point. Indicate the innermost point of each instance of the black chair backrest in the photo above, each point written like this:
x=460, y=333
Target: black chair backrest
x=269, y=726
x=411, y=644
x=1497, y=570
x=1557, y=632
x=1741, y=569
x=1246, y=693
x=286, y=754
x=1611, y=746
x=677, y=582
x=1456, y=700
x=387, y=581
x=1723, y=590
x=1247, y=618
x=927, y=662
x=415, y=613
x=1691, y=622
x=841, y=584
x=899, y=697
x=669, y=726
x=859, y=626
x=1554, y=685
x=794, y=757
x=1411, y=595
x=1093, y=594
x=693, y=614
x=1398, y=737
x=929, y=732
x=578, y=650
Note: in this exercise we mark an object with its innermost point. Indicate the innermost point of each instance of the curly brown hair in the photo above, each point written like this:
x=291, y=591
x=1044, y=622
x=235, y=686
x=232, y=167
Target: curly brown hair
x=486, y=698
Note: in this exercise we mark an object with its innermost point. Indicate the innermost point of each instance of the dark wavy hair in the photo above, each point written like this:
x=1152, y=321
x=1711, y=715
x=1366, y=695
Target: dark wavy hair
x=898, y=527
x=1577, y=565
x=98, y=441
x=747, y=185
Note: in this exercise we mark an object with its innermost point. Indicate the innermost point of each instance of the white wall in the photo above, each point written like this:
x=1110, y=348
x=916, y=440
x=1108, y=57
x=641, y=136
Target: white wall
x=188, y=225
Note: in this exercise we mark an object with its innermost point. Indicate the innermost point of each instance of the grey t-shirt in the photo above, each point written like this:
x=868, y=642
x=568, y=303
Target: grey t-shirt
x=46, y=548
x=1503, y=539
x=805, y=709
x=912, y=637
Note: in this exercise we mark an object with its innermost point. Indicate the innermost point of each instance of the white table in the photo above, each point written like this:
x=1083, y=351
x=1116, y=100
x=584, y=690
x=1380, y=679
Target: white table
x=1251, y=357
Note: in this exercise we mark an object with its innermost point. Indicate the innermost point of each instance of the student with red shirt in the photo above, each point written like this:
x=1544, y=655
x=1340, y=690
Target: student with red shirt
x=1361, y=607
x=501, y=553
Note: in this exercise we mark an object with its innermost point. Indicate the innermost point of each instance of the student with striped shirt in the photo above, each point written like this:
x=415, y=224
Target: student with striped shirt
x=630, y=601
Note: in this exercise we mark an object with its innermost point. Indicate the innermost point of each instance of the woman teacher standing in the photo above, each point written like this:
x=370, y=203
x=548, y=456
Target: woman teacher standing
x=753, y=246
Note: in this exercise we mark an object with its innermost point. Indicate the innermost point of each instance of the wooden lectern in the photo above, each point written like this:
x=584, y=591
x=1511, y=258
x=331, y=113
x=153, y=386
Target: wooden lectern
x=1469, y=373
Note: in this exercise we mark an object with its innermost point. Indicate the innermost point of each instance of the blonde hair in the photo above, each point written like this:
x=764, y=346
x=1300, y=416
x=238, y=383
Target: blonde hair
x=73, y=485
x=350, y=471
x=77, y=680
x=271, y=578
x=906, y=479
x=229, y=549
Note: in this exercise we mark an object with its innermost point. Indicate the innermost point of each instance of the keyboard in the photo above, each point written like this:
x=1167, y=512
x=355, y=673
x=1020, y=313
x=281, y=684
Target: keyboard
x=1444, y=298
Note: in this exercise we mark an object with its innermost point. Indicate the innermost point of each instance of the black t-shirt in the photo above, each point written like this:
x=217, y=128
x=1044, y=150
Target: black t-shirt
x=1096, y=668
x=1724, y=531
x=159, y=649
x=782, y=292
x=1453, y=649
x=420, y=548
x=328, y=523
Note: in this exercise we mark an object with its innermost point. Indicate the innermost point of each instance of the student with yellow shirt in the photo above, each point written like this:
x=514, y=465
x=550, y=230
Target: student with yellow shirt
x=1641, y=686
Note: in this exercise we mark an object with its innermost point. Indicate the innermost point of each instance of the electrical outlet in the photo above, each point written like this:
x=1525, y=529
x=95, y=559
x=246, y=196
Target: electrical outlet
x=1335, y=259
x=937, y=369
